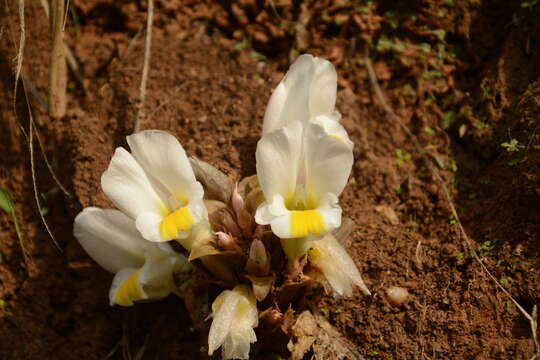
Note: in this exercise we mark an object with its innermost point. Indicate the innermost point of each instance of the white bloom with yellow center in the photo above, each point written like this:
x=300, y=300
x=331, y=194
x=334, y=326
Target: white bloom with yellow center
x=143, y=270
x=336, y=265
x=155, y=186
x=235, y=316
x=305, y=156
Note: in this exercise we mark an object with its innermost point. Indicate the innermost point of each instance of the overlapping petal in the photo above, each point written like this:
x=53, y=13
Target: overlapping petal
x=155, y=186
x=234, y=318
x=308, y=90
x=143, y=270
x=336, y=265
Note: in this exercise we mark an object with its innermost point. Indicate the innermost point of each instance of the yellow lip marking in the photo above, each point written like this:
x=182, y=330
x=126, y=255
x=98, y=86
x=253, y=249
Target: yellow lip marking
x=304, y=222
x=129, y=291
x=179, y=220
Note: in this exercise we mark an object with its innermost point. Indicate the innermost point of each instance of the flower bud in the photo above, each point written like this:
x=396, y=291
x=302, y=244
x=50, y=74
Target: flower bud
x=258, y=262
x=237, y=202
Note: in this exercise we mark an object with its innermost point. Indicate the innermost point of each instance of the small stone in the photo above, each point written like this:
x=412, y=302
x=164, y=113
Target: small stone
x=397, y=296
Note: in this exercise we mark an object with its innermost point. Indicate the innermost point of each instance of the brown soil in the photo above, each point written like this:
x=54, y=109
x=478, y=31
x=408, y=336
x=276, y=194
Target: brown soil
x=464, y=76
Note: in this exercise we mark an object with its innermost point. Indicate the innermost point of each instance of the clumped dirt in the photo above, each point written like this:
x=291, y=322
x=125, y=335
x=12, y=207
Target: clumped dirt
x=463, y=76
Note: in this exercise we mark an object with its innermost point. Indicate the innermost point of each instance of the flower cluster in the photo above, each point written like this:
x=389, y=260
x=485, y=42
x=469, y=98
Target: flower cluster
x=253, y=241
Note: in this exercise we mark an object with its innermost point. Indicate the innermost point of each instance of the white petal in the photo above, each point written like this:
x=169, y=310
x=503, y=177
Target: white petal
x=338, y=267
x=110, y=238
x=162, y=157
x=125, y=282
x=290, y=101
x=277, y=157
x=223, y=310
x=322, y=98
x=148, y=225
x=332, y=127
x=329, y=161
x=154, y=281
x=307, y=90
x=127, y=186
x=235, y=315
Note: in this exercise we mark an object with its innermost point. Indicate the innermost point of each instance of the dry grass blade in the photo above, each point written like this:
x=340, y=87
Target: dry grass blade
x=31, y=128
x=58, y=67
x=378, y=92
x=20, y=52
x=70, y=58
x=146, y=66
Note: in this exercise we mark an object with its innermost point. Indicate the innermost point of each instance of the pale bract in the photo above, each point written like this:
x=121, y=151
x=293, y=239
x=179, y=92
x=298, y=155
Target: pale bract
x=304, y=157
x=339, y=270
x=143, y=270
x=235, y=316
x=155, y=186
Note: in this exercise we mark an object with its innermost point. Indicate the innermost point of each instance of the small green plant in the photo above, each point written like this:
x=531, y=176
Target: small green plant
x=527, y=4
x=428, y=130
x=486, y=248
x=257, y=56
x=512, y=145
x=7, y=204
x=385, y=44
x=431, y=74
x=402, y=157
x=460, y=256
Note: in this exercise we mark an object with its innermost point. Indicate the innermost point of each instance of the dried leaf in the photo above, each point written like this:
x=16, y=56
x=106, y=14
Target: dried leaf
x=261, y=285
x=303, y=335
x=247, y=185
x=389, y=213
x=218, y=186
x=253, y=200
x=342, y=233
x=204, y=248
x=214, y=205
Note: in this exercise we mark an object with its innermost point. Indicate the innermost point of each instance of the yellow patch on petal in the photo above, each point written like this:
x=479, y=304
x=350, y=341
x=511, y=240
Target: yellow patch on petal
x=178, y=220
x=340, y=139
x=129, y=291
x=304, y=222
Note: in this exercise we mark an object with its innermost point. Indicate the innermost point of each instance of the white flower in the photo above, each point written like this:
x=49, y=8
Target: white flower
x=155, y=186
x=306, y=93
x=336, y=265
x=234, y=315
x=144, y=270
x=305, y=156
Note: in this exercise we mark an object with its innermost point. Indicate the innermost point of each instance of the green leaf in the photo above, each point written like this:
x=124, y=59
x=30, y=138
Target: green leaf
x=5, y=201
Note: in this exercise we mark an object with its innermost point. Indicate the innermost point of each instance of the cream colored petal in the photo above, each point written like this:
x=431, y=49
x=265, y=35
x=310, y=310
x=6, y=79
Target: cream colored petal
x=337, y=265
x=223, y=311
x=332, y=127
x=322, y=97
x=235, y=315
x=153, y=281
x=329, y=161
x=127, y=186
x=110, y=238
x=290, y=101
x=277, y=156
x=163, y=158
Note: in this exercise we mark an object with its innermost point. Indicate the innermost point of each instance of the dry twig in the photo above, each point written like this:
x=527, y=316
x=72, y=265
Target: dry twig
x=146, y=65
x=70, y=58
x=57, y=69
x=378, y=92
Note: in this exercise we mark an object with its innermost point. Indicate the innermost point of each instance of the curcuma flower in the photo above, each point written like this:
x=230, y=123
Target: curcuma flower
x=304, y=156
x=234, y=315
x=332, y=260
x=143, y=270
x=155, y=186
